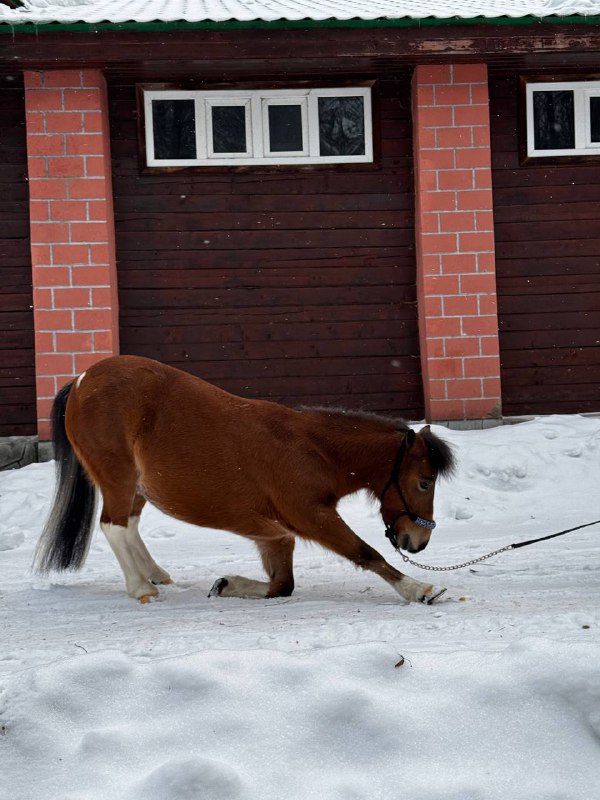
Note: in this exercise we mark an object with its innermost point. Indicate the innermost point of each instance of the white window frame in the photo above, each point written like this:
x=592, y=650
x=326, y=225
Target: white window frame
x=302, y=102
x=257, y=102
x=595, y=92
x=209, y=104
x=582, y=91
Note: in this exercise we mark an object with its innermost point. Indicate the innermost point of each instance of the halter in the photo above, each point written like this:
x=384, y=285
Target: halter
x=390, y=527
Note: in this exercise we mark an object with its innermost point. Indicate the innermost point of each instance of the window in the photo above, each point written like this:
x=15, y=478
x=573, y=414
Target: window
x=563, y=118
x=227, y=128
x=276, y=126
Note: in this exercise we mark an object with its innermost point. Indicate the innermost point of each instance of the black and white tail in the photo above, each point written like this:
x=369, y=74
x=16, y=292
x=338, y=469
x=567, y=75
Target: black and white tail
x=66, y=536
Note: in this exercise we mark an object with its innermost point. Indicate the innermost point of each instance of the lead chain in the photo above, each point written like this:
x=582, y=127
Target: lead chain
x=456, y=566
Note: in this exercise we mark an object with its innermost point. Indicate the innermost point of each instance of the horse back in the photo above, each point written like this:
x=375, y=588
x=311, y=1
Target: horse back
x=186, y=443
x=131, y=403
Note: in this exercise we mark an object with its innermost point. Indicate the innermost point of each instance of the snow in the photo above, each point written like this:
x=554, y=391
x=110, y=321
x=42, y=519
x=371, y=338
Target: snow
x=118, y=11
x=306, y=697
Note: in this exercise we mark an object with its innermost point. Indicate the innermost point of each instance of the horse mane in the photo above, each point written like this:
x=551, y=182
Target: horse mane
x=389, y=423
x=440, y=453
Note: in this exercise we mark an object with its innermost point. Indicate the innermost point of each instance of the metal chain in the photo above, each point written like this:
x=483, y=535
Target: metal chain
x=456, y=566
x=513, y=546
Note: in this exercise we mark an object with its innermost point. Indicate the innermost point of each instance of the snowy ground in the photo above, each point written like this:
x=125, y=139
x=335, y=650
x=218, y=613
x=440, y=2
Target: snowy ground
x=292, y=699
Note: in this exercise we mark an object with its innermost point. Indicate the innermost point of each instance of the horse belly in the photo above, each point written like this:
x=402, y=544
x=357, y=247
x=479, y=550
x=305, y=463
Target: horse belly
x=198, y=492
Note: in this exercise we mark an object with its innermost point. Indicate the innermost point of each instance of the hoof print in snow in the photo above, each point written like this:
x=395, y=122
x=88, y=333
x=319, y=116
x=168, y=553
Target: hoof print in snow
x=218, y=587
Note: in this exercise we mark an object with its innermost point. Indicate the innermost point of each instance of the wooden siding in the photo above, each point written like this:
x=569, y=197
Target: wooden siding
x=17, y=371
x=296, y=285
x=547, y=224
x=220, y=54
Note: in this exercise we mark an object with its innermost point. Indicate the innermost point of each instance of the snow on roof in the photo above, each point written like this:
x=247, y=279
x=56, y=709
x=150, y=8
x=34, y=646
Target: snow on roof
x=120, y=11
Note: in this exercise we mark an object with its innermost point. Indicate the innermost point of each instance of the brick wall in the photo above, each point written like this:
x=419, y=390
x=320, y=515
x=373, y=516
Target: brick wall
x=73, y=252
x=72, y=228
x=458, y=323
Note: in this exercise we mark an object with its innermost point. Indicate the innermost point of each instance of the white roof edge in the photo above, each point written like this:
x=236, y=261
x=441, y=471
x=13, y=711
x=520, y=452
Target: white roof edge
x=198, y=11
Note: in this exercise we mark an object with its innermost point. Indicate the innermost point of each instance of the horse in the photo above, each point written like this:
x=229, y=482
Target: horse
x=140, y=431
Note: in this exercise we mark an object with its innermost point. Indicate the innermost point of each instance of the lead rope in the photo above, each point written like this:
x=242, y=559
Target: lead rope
x=514, y=546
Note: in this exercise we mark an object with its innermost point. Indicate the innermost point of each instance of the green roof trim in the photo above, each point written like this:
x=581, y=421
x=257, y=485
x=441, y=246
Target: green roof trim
x=283, y=24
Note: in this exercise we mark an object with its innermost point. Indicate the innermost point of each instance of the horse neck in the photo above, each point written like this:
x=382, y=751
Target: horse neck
x=363, y=452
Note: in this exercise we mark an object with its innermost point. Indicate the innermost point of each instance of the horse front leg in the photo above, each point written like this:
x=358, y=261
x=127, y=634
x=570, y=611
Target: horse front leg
x=329, y=530
x=277, y=554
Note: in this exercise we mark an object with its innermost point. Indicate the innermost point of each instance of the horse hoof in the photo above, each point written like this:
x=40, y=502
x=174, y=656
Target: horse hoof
x=218, y=587
x=146, y=598
x=162, y=581
x=436, y=592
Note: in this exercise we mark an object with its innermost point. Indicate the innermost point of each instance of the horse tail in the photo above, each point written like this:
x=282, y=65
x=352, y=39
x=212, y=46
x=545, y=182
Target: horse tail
x=66, y=536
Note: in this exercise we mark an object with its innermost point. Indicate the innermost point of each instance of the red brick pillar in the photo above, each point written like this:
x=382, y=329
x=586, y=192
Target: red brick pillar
x=456, y=279
x=72, y=228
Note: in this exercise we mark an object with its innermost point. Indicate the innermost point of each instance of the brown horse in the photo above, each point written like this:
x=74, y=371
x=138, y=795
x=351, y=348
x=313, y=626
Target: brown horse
x=139, y=430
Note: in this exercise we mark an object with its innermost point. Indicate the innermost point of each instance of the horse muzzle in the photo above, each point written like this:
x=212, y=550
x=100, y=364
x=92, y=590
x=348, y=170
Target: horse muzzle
x=412, y=540
x=412, y=544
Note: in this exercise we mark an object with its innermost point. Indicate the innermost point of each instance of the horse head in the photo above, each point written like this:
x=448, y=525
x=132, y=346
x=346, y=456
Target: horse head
x=407, y=497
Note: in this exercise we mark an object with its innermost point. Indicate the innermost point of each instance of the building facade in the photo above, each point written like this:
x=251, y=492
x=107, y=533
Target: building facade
x=384, y=214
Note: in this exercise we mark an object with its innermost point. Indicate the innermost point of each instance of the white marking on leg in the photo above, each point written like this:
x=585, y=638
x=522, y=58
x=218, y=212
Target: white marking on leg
x=144, y=561
x=79, y=379
x=135, y=581
x=237, y=586
x=414, y=592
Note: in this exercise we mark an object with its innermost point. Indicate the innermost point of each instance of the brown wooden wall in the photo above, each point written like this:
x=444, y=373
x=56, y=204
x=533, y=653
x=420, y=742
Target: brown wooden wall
x=293, y=285
x=547, y=223
x=17, y=371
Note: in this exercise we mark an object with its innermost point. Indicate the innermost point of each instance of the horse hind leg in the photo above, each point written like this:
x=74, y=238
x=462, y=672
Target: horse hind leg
x=146, y=564
x=120, y=527
x=277, y=557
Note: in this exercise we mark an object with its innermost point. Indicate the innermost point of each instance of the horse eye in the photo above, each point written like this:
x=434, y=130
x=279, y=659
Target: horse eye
x=424, y=485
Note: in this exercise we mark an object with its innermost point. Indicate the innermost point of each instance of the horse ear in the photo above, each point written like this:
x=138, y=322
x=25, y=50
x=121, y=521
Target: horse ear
x=410, y=438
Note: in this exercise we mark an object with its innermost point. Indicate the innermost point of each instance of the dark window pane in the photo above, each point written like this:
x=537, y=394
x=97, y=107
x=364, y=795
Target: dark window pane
x=285, y=128
x=554, y=120
x=341, y=126
x=595, y=118
x=174, y=128
x=229, y=129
